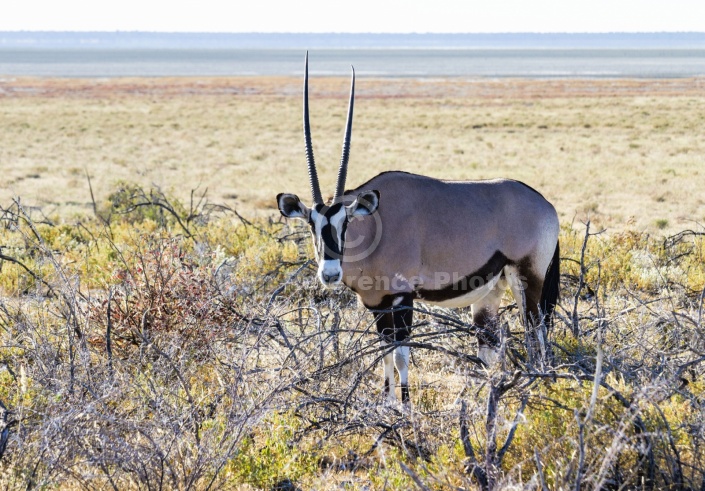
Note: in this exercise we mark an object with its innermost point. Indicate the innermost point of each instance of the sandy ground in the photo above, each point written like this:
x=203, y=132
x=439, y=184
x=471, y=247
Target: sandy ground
x=336, y=87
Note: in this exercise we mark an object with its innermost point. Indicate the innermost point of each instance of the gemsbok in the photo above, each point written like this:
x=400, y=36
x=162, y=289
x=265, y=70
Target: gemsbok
x=402, y=237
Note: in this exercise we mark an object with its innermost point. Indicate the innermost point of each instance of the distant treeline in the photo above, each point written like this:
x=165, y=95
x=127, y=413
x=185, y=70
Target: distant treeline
x=156, y=40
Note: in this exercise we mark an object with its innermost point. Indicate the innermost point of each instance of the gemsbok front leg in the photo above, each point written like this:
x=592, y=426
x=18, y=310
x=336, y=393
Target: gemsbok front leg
x=394, y=319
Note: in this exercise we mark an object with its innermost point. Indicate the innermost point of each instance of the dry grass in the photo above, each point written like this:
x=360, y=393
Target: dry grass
x=627, y=153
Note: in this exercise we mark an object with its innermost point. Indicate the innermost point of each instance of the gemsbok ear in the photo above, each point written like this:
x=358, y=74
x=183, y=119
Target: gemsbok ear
x=291, y=206
x=366, y=203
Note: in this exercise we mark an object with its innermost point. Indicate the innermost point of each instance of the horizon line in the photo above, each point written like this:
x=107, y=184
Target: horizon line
x=136, y=31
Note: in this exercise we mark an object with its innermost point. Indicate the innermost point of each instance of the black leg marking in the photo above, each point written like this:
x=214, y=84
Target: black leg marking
x=532, y=292
x=394, y=321
x=394, y=325
x=488, y=322
x=404, y=392
x=534, y=296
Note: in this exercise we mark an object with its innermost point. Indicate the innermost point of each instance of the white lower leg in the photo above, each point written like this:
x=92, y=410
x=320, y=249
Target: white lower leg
x=401, y=360
x=488, y=354
x=389, y=385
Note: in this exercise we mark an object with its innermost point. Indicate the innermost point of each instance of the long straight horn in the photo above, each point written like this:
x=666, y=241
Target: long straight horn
x=312, y=174
x=343, y=170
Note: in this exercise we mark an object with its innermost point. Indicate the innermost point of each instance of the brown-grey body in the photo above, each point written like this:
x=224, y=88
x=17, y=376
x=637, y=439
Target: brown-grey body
x=470, y=222
x=402, y=237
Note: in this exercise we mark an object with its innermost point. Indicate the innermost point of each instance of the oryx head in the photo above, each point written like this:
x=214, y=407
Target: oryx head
x=328, y=222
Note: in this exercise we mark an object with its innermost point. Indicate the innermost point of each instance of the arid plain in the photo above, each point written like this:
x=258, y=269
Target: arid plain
x=628, y=153
x=146, y=343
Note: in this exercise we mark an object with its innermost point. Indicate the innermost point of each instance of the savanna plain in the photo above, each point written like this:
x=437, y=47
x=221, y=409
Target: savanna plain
x=161, y=327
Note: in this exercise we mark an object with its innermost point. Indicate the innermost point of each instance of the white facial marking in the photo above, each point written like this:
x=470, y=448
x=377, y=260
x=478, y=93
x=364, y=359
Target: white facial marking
x=336, y=222
x=318, y=222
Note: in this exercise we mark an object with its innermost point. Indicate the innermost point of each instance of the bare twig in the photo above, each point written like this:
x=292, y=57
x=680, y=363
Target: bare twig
x=34, y=275
x=701, y=303
x=539, y=470
x=581, y=282
x=472, y=466
x=108, y=333
x=281, y=287
x=90, y=188
x=414, y=477
x=510, y=437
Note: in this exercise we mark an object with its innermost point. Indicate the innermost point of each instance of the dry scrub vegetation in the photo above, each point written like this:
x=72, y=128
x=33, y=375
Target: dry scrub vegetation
x=163, y=346
x=161, y=340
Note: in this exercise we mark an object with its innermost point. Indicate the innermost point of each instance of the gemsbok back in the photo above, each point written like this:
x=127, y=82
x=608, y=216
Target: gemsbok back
x=402, y=237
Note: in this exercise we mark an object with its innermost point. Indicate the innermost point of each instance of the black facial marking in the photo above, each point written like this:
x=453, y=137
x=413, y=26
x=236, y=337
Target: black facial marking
x=469, y=283
x=332, y=248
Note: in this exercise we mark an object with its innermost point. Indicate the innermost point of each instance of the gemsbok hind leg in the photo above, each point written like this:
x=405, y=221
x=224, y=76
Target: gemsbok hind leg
x=527, y=288
x=484, y=315
x=536, y=332
x=394, y=325
x=526, y=292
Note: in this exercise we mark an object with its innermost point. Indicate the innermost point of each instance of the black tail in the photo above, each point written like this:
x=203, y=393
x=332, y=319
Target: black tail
x=550, y=291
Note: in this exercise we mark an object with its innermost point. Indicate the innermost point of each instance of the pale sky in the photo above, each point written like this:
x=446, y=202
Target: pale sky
x=355, y=15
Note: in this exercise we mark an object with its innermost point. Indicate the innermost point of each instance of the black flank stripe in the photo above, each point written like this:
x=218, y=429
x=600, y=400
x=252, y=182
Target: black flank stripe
x=467, y=284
